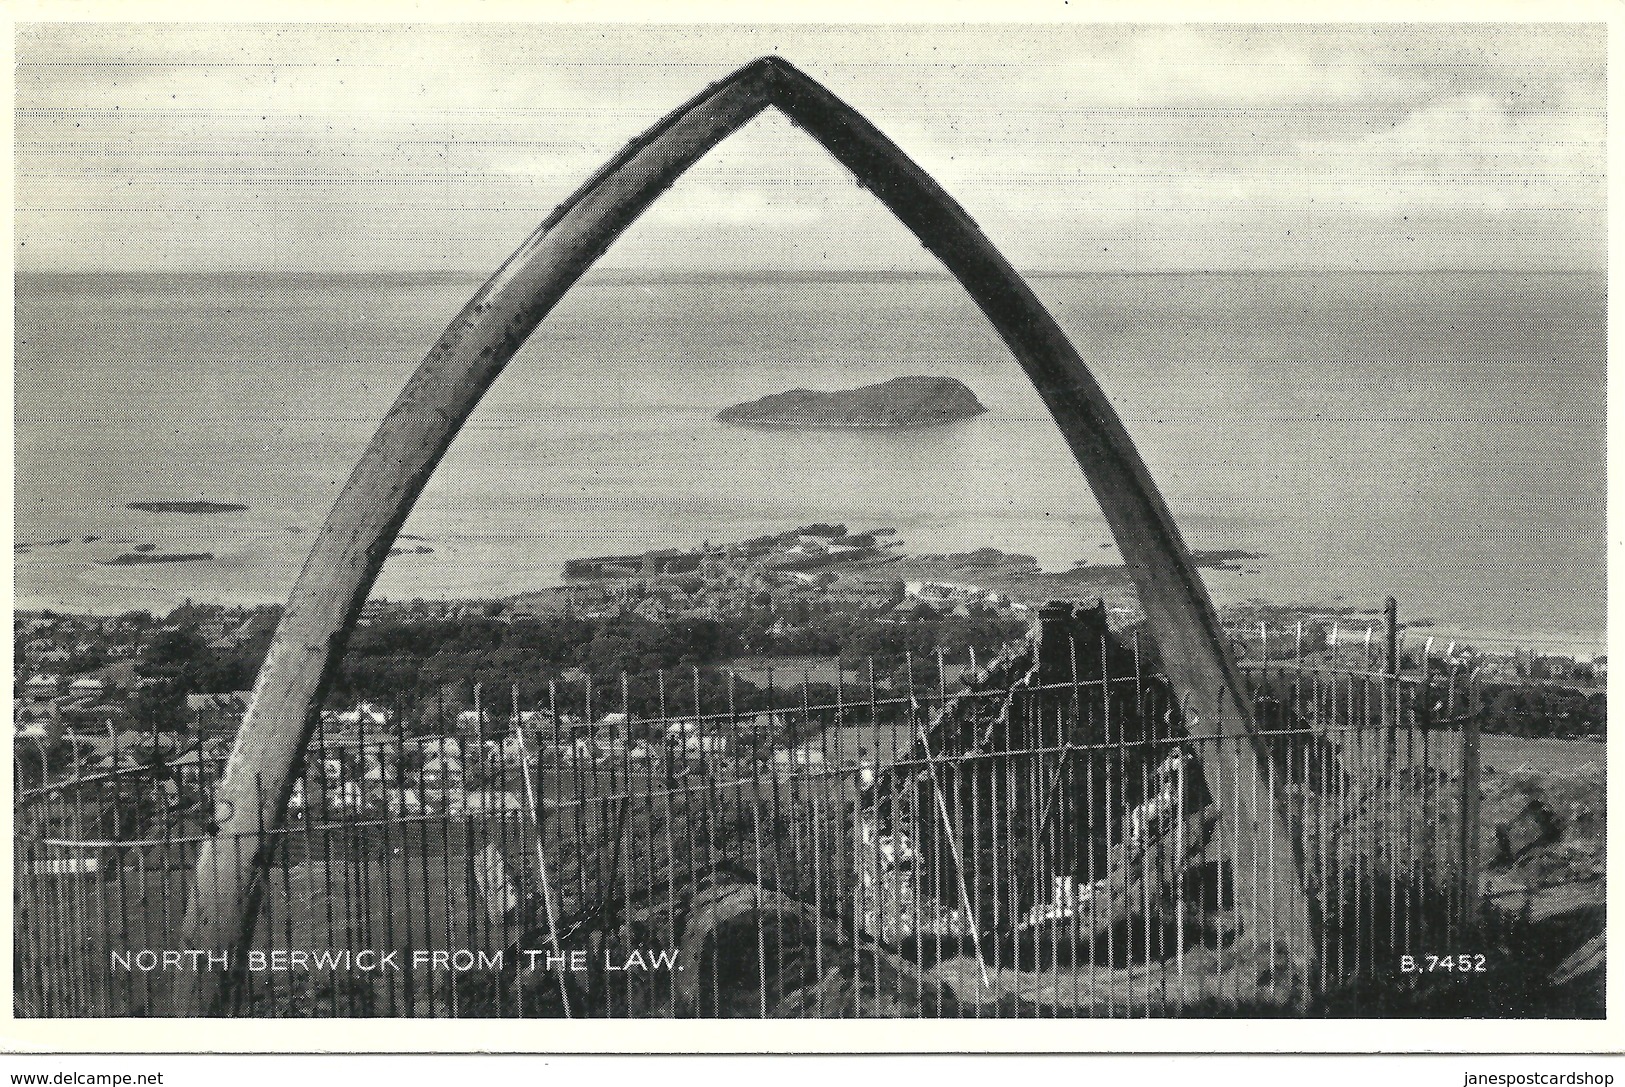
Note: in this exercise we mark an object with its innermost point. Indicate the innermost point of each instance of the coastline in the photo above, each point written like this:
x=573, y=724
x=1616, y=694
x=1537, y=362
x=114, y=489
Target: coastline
x=1110, y=583
x=777, y=424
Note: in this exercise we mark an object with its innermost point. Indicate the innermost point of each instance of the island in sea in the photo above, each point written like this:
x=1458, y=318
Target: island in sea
x=187, y=507
x=902, y=402
x=143, y=557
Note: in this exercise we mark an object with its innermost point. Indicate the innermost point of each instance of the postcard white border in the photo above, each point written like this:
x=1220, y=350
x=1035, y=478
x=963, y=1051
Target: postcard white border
x=832, y=1036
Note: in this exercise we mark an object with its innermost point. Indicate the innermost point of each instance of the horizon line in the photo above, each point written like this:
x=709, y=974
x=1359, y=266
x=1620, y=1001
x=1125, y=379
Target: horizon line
x=787, y=274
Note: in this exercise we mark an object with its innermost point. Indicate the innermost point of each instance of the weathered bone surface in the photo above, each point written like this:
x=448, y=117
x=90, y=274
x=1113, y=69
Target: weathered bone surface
x=348, y=553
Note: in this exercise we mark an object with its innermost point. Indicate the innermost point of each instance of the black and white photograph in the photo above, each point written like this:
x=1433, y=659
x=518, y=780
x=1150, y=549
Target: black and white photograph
x=997, y=521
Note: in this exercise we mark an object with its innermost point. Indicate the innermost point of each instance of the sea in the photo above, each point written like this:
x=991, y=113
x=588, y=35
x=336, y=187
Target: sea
x=1438, y=437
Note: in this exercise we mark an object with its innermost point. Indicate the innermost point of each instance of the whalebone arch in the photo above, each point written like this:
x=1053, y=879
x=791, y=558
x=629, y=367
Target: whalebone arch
x=349, y=551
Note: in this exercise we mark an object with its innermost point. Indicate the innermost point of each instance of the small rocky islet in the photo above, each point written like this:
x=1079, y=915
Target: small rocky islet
x=901, y=402
x=141, y=558
x=187, y=507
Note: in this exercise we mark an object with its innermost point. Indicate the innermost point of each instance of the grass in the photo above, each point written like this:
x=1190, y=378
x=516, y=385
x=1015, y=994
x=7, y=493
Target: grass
x=1507, y=753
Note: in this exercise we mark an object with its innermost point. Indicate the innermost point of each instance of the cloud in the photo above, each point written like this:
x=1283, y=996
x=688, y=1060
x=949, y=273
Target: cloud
x=406, y=147
x=1471, y=152
x=1175, y=66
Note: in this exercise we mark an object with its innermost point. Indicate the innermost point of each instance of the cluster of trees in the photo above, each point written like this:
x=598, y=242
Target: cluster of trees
x=413, y=662
x=182, y=663
x=1582, y=673
x=420, y=658
x=184, y=660
x=1542, y=710
x=855, y=639
x=409, y=661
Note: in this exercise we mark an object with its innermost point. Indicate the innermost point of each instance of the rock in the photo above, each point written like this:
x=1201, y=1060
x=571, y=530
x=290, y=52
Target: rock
x=901, y=402
x=1586, y=963
x=147, y=558
x=187, y=507
x=813, y=965
x=1534, y=825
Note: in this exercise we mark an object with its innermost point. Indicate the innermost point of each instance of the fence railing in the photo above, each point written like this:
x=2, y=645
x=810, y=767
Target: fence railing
x=1032, y=837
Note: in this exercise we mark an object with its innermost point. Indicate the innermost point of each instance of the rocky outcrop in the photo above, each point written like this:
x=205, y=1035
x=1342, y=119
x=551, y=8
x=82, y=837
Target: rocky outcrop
x=961, y=762
x=901, y=402
x=187, y=507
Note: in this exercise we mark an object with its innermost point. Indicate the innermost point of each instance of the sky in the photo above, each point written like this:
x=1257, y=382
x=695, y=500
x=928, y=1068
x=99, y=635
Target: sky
x=222, y=148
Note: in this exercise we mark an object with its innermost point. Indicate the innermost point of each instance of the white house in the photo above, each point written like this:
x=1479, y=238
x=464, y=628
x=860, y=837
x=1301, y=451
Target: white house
x=440, y=747
x=705, y=744
x=494, y=802
x=42, y=686
x=366, y=713
x=793, y=757
x=189, y=767
x=404, y=802
x=442, y=772
x=347, y=797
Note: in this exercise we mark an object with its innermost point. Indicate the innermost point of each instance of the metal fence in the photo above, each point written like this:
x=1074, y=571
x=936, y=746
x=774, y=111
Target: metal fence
x=1034, y=836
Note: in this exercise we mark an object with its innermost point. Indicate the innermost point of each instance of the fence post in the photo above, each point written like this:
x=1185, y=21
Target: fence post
x=1392, y=710
x=1390, y=639
x=1424, y=692
x=1470, y=799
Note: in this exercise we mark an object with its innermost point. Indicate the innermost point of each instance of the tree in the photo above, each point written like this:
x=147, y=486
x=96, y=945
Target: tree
x=160, y=706
x=178, y=654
